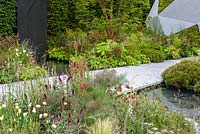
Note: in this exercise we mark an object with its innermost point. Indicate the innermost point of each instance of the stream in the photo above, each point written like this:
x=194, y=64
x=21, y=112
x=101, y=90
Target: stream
x=181, y=102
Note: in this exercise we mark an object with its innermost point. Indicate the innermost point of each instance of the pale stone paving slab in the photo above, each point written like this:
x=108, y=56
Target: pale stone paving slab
x=145, y=75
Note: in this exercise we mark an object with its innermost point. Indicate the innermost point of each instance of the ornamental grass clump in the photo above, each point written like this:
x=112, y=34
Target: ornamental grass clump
x=184, y=75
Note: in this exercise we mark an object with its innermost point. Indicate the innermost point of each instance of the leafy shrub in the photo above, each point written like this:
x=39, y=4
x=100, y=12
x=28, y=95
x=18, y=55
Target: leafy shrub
x=154, y=55
x=17, y=62
x=8, y=17
x=58, y=16
x=183, y=75
x=61, y=54
x=112, y=54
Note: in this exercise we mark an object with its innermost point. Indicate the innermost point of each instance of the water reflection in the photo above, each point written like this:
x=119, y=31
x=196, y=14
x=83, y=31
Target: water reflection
x=186, y=102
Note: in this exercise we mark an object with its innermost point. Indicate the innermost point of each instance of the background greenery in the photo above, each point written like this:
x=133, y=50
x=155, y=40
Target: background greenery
x=8, y=17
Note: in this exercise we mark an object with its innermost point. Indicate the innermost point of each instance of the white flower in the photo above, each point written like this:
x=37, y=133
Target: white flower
x=164, y=131
x=40, y=116
x=25, y=114
x=171, y=131
x=149, y=132
x=47, y=121
x=65, y=103
x=3, y=105
x=37, y=106
x=29, y=105
x=24, y=51
x=17, y=54
x=2, y=117
x=154, y=128
x=10, y=129
x=16, y=107
x=34, y=110
x=54, y=126
x=45, y=114
x=19, y=111
x=16, y=50
x=158, y=133
x=16, y=104
x=44, y=103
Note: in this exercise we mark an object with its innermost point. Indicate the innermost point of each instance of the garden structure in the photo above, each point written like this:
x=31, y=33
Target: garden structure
x=179, y=15
x=32, y=24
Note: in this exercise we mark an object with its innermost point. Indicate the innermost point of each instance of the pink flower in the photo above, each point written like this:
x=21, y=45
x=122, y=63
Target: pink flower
x=71, y=64
x=84, y=64
x=84, y=85
x=75, y=45
x=80, y=73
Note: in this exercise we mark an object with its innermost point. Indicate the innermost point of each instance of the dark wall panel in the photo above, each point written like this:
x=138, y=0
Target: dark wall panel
x=32, y=24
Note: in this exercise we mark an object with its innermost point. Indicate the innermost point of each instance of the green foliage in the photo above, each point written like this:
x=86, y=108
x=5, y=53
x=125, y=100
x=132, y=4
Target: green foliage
x=59, y=54
x=163, y=4
x=111, y=54
x=68, y=106
x=139, y=114
x=114, y=18
x=62, y=47
x=17, y=62
x=8, y=17
x=154, y=55
x=183, y=75
x=60, y=16
x=32, y=72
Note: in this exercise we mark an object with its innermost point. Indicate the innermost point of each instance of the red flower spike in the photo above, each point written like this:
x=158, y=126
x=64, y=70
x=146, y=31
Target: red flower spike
x=45, y=98
x=60, y=80
x=26, y=98
x=46, y=88
x=84, y=64
x=62, y=104
x=71, y=64
x=82, y=86
x=75, y=45
x=78, y=121
x=128, y=86
x=81, y=111
x=55, y=118
x=73, y=92
x=80, y=74
x=69, y=77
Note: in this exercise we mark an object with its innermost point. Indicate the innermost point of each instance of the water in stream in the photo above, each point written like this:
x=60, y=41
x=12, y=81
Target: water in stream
x=186, y=102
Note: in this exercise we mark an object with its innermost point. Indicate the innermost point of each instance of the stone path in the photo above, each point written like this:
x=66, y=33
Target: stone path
x=145, y=75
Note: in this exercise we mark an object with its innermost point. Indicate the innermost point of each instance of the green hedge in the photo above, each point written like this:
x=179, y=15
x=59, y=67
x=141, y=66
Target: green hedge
x=60, y=16
x=7, y=17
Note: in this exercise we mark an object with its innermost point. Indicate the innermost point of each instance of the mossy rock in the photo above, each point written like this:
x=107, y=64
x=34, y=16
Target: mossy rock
x=154, y=55
x=183, y=75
